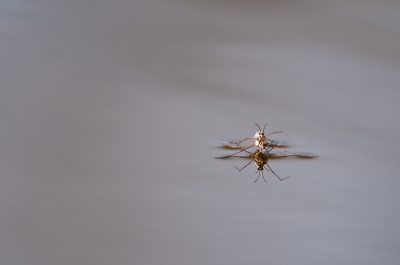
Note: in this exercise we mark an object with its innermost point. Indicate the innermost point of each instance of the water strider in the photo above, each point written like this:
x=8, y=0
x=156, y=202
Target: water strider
x=263, y=153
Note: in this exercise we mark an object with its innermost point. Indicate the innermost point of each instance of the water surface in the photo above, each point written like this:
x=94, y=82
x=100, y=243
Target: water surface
x=112, y=114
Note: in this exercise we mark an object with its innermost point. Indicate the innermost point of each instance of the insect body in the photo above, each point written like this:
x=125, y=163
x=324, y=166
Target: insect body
x=261, y=141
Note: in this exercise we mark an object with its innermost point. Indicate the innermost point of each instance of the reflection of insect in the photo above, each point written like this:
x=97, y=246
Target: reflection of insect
x=260, y=159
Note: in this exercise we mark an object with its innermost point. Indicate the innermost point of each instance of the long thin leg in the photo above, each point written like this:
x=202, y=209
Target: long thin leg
x=257, y=176
x=281, y=156
x=262, y=173
x=233, y=155
x=238, y=146
x=272, y=146
x=244, y=166
x=229, y=156
x=245, y=139
x=268, y=149
x=285, y=151
x=276, y=132
x=276, y=174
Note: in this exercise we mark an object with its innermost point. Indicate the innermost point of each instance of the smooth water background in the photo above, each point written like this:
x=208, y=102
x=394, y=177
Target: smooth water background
x=111, y=114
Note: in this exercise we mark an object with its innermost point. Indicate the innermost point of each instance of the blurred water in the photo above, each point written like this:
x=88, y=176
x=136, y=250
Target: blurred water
x=112, y=114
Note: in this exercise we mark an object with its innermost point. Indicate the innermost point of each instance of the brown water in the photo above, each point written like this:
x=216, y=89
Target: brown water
x=112, y=114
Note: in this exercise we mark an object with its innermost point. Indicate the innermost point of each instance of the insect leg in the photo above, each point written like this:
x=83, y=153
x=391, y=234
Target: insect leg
x=262, y=173
x=244, y=166
x=276, y=174
x=233, y=155
x=257, y=176
x=245, y=139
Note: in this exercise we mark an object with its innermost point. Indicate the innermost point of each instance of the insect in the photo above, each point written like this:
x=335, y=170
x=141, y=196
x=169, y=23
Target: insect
x=261, y=141
x=260, y=159
x=263, y=152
